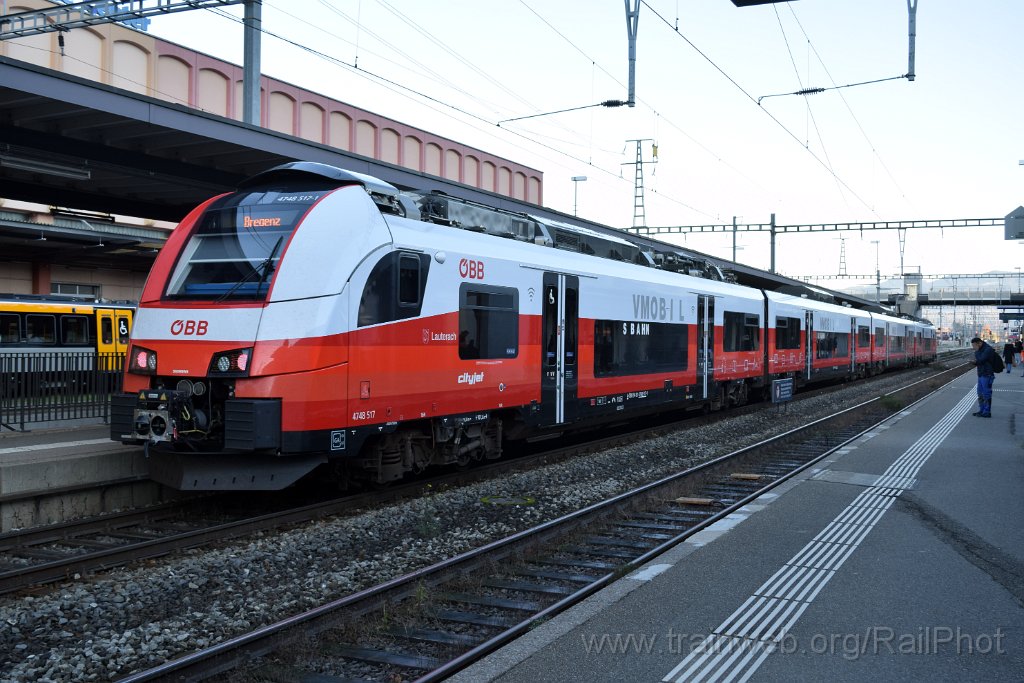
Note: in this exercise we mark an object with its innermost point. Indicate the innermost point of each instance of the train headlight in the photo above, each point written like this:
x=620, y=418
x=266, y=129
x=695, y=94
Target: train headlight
x=234, y=363
x=143, y=361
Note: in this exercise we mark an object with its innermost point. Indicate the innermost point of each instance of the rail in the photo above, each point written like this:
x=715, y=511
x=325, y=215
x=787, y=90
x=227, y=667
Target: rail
x=633, y=527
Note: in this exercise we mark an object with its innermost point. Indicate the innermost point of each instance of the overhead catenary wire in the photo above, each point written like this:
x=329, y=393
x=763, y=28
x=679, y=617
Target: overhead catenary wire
x=533, y=135
x=606, y=103
x=438, y=104
x=754, y=101
x=405, y=90
x=816, y=91
x=807, y=102
x=846, y=103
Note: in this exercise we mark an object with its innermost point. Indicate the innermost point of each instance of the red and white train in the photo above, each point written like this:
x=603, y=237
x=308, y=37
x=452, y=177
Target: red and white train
x=321, y=317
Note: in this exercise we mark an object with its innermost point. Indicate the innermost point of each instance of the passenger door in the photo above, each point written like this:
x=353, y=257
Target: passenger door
x=113, y=328
x=559, y=330
x=705, y=344
x=809, y=340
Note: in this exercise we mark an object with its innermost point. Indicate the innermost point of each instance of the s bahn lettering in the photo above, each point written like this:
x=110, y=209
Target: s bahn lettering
x=189, y=328
x=636, y=329
x=474, y=270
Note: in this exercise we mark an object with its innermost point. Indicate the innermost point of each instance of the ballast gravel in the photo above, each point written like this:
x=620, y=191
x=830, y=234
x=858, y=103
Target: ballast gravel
x=133, y=619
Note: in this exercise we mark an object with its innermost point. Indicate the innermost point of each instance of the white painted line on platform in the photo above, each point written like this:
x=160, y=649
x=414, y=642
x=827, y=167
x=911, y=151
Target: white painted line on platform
x=47, y=446
x=768, y=614
x=648, y=573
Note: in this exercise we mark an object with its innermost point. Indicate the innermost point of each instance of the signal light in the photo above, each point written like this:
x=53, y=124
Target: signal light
x=143, y=361
x=234, y=363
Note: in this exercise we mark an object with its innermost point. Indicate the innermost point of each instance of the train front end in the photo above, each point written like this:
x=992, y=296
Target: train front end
x=237, y=373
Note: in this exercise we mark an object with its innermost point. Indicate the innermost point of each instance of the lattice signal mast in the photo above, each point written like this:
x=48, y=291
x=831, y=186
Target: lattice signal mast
x=639, y=214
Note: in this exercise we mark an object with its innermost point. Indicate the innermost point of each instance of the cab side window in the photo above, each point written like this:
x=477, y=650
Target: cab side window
x=394, y=289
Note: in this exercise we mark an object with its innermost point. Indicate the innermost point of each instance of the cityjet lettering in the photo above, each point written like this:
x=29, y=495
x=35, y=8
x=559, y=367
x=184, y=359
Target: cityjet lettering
x=471, y=377
x=250, y=222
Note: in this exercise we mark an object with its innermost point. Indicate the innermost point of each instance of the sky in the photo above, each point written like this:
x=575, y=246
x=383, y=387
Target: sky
x=710, y=85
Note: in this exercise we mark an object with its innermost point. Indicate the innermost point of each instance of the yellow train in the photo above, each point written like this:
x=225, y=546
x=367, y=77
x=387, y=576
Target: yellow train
x=37, y=325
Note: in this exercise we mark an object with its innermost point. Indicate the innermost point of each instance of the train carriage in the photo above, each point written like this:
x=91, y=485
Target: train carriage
x=50, y=344
x=319, y=316
x=37, y=324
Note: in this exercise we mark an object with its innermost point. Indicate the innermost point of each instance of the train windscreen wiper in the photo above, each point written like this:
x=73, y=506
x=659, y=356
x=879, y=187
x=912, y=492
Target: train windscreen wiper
x=265, y=267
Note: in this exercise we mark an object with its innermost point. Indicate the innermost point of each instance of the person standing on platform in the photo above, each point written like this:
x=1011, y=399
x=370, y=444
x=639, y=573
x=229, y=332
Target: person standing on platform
x=1008, y=356
x=1018, y=350
x=983, y=355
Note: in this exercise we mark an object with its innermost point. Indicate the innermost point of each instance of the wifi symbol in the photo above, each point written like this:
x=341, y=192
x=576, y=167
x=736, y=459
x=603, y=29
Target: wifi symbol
x=530, y=292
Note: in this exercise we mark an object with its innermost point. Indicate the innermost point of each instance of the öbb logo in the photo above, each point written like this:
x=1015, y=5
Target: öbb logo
x=189, y=327
x=474, y=270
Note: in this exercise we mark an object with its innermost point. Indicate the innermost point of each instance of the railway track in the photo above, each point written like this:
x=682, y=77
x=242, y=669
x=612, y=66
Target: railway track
x=433, y=622
x=75, y=549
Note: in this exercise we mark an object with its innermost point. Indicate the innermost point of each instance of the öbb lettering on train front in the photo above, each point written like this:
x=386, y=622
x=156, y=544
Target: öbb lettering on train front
x=196, y=328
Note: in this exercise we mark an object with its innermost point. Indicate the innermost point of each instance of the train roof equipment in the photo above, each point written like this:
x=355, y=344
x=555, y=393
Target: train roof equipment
x=589, y=238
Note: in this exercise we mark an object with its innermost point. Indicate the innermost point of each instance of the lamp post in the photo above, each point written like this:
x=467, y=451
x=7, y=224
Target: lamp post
x=878, y=275
x=576, y=180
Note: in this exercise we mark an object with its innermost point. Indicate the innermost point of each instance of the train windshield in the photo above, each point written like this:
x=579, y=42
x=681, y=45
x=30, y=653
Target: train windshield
x=237, y=243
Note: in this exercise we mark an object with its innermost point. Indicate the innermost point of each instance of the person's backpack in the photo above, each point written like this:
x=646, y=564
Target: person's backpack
x=997, y=363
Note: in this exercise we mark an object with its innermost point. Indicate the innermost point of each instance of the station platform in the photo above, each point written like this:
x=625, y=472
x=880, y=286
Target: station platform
x=52, y=474
x=900, y=557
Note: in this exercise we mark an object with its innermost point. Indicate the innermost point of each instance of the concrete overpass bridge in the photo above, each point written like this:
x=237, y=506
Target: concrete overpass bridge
x=963, y=304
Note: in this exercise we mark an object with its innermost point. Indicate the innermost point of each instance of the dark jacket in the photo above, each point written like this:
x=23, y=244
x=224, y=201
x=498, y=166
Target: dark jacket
x=983, y=359
x=1008, y=353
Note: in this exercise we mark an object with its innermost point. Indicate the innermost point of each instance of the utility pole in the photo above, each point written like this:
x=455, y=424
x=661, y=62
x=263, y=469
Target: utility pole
x=639, y=213
x=632, y=19
x=734, y=239
x=912, y=31
x=253, y=21
x=878, y=274
x=576, y=180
